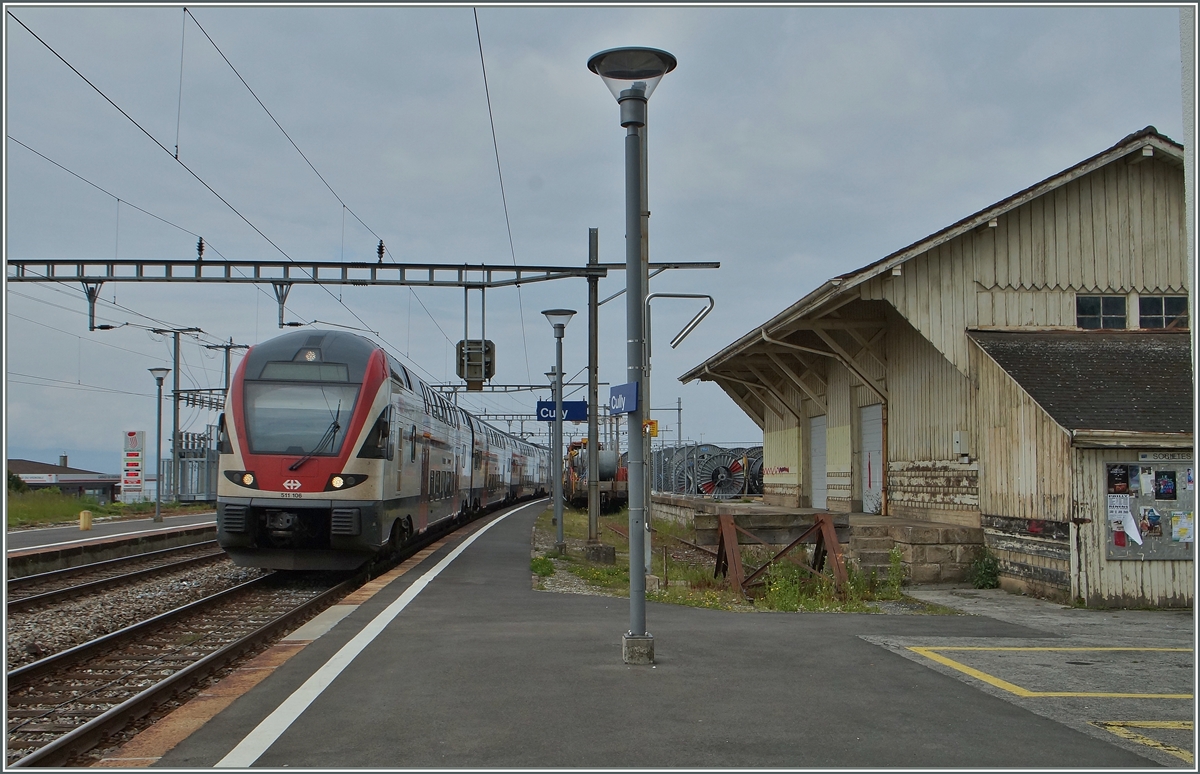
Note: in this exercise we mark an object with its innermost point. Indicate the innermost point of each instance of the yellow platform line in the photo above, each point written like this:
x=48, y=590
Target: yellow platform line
x=1016, y=690
x=1121, y=729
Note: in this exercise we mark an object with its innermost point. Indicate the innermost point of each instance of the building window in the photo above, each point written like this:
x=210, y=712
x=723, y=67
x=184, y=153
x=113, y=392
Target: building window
x=1100, y=311
x=1163, y=312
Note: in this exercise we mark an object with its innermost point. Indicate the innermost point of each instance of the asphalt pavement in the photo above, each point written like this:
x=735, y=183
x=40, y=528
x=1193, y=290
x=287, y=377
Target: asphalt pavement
x=473, y=668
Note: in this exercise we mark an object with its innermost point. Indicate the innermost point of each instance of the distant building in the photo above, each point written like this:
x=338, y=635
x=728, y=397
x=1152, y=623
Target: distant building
x=1025, y=370
x=72, y=481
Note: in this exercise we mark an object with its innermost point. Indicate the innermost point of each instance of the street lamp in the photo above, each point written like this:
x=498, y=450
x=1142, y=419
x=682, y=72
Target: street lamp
x=558, y=319
x=632, y=74
x=159, y=374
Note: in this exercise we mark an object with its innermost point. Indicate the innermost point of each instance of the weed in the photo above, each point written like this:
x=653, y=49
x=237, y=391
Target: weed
x=541, y=566
x=895, y=576
x=985, y=570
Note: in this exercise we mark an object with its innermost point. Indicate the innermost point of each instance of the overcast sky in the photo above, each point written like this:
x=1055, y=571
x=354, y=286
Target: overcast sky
x=792, y=144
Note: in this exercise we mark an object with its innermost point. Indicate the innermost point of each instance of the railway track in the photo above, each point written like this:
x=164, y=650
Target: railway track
x=46, y=588
x=61, y=706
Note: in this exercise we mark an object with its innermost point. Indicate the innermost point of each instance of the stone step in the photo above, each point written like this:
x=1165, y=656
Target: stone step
x=871, y=543
x=871, y=558
x=870, y=530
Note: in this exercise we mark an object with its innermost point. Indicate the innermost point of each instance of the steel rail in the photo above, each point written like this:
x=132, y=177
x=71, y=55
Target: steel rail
x=88, y=735
x=15, y=584
x=24, y=603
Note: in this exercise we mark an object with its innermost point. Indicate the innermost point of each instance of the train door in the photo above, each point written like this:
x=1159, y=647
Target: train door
x=423, y=509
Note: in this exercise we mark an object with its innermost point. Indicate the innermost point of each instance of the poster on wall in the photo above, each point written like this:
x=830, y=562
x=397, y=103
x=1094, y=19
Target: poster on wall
x=1149, y=508
x=1164, y=485
x=1182, y=530
x=1118, y=479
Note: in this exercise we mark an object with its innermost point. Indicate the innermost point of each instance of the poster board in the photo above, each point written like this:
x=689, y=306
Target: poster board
x=1152, y=499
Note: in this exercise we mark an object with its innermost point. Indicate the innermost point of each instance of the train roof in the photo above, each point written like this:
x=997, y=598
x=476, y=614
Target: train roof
x=350, y=349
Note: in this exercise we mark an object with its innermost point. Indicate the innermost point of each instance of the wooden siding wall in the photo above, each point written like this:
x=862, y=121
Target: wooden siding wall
x=1118, y=230
x=929, y=401
x=838, y=439
x=783, y=456
x=1024, y=484
x=1102, y=583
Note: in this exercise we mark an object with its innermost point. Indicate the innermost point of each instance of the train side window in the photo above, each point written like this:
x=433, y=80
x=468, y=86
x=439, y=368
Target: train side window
x=224, y=445
x=412, y=444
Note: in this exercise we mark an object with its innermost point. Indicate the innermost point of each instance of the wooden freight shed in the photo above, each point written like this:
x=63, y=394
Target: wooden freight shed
x=900, y=388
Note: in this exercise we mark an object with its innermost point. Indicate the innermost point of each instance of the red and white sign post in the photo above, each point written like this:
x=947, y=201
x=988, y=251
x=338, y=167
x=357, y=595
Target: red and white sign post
x=132, y=462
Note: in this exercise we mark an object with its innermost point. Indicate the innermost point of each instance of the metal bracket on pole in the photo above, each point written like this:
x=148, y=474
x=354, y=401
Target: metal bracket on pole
x=281, y=293
x=683, y=334
x=92, y=291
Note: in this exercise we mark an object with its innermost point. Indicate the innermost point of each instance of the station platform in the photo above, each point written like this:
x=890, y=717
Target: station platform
x=31, y=551
x=453, y=660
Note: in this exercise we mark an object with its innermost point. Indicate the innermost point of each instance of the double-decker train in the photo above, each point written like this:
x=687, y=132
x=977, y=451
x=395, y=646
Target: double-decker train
x=332, y=453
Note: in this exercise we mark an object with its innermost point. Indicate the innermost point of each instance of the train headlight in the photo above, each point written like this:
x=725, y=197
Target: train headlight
x=244, y=478
x=341, y=481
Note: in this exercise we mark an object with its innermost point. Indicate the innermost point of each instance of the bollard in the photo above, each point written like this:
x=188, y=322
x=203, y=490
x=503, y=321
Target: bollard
x=85, y=520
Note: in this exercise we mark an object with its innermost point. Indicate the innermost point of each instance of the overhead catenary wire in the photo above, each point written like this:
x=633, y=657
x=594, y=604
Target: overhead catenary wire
x=226, y=202
x=503, y=198
x=190, y=171
x=345, y=207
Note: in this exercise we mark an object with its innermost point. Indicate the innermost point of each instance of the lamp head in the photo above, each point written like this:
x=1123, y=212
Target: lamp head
x=559, y=318
x=159, y=374
x=632, y=69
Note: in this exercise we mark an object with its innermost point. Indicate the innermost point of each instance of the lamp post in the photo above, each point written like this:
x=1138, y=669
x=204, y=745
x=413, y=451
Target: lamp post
x=159, y=374
x=558, y=320
x=632, y=74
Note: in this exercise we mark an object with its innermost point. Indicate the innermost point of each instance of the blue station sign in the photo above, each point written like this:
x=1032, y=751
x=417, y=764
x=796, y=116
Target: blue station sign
x=623, y=398
x=573, y=410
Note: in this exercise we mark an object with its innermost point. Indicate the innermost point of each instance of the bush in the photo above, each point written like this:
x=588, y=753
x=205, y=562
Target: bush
x=985, y=570
x=541, y=566
x=15, y=484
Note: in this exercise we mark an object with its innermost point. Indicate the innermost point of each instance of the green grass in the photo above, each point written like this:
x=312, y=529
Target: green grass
x=787, y=587
x=48, y=506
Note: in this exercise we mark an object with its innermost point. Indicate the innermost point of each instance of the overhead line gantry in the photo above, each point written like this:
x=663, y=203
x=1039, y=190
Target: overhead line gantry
x=282, y=275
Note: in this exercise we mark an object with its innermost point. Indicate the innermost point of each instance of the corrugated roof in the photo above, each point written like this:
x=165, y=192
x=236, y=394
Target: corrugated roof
x=1100, y=380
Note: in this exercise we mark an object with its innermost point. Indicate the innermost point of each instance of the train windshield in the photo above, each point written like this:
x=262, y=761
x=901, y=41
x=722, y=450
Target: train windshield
x=298, y=418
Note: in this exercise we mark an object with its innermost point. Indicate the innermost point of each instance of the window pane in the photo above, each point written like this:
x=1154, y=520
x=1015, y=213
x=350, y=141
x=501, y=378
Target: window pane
x=1175, y=305
x=1088, y=321
x=1150, y=305
x=1112, y=322
x=1113, y=305
x=1087, y=305
x=1150, y=321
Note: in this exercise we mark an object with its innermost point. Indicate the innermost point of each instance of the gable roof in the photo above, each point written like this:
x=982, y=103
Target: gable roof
x=1128, y=381
x=839, y=286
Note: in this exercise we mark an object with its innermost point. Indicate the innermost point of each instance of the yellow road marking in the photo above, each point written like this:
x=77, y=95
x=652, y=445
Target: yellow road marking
x=1121, y=729
x=1004, y=685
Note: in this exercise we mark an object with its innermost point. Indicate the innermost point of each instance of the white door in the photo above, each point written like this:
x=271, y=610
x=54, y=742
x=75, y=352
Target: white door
x=870, y=430
x=816, y=468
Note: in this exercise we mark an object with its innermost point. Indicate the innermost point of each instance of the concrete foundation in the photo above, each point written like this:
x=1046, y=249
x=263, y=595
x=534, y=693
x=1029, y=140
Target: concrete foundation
x=637, y=649
x=600, y=553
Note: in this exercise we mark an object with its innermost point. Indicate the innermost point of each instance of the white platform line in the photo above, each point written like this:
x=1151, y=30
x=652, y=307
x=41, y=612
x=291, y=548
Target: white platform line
x=94, y=538
x=272, y=727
